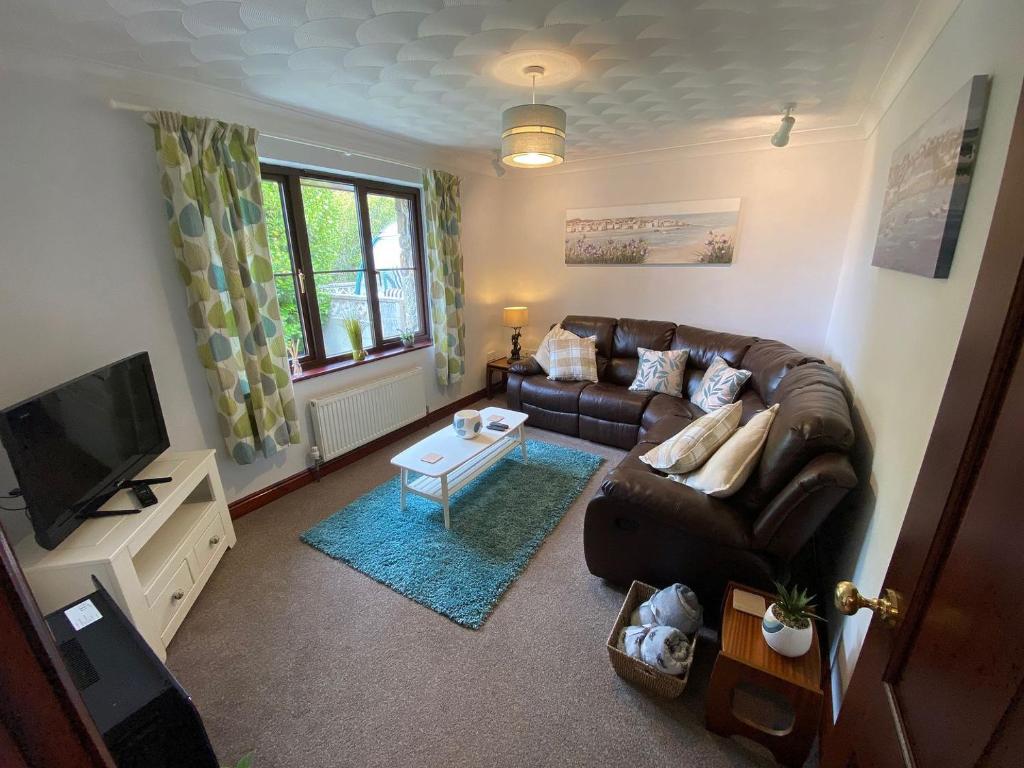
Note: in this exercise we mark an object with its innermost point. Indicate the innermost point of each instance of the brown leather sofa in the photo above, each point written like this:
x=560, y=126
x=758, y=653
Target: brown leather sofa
x=641, y=525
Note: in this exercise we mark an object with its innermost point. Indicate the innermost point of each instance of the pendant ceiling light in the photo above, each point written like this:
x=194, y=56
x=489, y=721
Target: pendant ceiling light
x=533, y=135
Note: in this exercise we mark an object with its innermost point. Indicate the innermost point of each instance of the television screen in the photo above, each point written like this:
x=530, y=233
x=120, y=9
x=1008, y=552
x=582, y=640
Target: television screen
x=71, y=446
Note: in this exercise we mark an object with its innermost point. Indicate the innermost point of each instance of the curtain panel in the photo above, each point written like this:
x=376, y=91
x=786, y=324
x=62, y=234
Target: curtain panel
x=447, y=285
x=210, y=178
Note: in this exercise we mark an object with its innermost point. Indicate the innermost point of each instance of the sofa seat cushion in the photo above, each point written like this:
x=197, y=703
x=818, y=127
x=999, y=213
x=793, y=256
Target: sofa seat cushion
x=752, y=404
x=561, y=396
x=665, y=502
x=663, y=406
x=611, y=402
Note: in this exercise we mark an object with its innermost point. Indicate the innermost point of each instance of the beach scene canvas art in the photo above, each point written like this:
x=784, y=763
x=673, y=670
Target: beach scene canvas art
x=929, y=177
x=691, y=232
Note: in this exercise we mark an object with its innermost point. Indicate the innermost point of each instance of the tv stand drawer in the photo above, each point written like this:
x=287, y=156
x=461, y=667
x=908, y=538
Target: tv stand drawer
x=174, y=597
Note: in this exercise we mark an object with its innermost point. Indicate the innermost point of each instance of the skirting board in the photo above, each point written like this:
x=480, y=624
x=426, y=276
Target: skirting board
x=264, y=496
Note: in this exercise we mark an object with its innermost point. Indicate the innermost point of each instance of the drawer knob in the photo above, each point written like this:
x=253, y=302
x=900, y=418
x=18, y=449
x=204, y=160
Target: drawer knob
x=177, y=595
x=214, y=540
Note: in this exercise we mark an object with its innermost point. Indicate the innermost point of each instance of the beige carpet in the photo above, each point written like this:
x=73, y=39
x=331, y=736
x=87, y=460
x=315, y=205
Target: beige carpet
x=308, y=663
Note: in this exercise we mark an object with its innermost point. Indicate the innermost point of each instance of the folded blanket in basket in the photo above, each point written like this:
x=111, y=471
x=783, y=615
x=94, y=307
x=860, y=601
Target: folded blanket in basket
x=630, y=639
x=675, y=606
x=664, y=648
x=667, y=650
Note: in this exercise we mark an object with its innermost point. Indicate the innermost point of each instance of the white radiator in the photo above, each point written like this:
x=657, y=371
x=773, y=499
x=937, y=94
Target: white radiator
x=353, y=417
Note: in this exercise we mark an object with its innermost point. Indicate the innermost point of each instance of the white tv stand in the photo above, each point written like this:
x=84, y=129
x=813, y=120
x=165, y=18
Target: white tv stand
x=154, y=563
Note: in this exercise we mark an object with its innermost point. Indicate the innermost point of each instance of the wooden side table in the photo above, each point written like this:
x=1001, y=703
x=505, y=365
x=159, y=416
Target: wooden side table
x=501, y=365
x=745, y=660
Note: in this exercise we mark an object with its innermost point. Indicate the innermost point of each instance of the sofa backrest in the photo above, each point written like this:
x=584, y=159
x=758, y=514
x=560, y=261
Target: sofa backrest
x=629, y=336
x=768, y=362
x=601, y=327
x=703, y=346
x=813, y=418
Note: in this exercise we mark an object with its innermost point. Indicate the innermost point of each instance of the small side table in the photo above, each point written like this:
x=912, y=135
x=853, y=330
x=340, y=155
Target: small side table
x=746, y=660
x=501, y=365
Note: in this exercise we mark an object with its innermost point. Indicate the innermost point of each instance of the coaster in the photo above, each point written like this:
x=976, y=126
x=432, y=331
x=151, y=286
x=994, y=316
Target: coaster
x=745, y=602
x=431, y=458
x=494, y=418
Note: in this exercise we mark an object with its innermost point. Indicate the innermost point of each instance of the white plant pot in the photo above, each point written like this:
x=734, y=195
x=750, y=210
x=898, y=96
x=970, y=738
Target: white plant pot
x=467, y=424
x=785, y=640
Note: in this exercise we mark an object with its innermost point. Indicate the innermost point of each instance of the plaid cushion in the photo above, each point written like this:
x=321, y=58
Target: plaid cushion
x=696, y=442
x=572, y=359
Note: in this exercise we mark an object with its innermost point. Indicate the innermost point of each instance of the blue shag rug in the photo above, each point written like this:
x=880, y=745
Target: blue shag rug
x=498, y=523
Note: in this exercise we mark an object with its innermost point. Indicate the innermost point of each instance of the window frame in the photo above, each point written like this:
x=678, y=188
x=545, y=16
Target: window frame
x=290, y=178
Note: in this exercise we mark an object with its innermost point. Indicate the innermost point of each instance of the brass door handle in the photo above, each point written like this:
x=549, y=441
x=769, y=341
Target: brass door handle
x=214, y=541
x=888, y=607
x=177, y=595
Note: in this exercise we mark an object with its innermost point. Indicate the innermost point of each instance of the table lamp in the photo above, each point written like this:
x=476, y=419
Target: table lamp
x=515, y=318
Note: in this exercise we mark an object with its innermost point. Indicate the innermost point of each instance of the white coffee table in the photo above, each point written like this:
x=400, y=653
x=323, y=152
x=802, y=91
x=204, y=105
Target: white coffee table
x=461, y=460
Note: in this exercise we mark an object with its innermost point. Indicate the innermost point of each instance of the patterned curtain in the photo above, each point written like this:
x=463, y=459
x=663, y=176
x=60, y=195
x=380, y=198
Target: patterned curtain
x=211, y=184
x=447, y=286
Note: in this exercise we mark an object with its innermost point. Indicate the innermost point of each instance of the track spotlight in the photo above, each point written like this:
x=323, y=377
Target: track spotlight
x=781, y=137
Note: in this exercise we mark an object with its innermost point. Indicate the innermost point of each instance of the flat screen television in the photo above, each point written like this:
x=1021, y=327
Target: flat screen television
x=73, y=446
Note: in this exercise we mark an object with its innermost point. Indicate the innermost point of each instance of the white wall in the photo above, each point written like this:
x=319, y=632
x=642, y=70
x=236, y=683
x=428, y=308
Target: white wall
x=893, y=335
x=88, y=274
x=794, y=216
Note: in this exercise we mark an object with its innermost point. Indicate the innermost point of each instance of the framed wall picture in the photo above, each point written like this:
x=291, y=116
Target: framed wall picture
x=929, y=177
x=691, y=232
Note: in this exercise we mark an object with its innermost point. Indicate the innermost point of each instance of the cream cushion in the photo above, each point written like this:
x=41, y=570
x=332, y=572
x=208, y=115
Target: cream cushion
x=543, y=354
x=694, y=445
x=730, y=466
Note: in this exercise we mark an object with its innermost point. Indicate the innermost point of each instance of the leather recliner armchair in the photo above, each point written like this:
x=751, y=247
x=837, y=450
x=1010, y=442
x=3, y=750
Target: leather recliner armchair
x=642, y=525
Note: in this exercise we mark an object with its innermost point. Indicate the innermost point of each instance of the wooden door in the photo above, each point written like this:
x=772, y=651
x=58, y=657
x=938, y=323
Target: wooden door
x=943, y=687
x=43, y=721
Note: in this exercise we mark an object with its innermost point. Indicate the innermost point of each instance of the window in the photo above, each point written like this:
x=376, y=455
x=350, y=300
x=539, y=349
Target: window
x=344, y=248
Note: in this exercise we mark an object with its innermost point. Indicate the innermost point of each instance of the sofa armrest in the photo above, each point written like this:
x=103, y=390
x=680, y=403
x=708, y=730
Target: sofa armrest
x=664, y=502
x=793, y=516
x=527, y=366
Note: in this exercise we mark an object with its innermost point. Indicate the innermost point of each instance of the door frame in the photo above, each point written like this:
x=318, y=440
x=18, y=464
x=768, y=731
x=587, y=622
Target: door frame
x=43, y=720
x=989, y=346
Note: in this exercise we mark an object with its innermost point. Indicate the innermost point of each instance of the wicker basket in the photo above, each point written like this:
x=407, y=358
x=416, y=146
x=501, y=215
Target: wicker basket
x=634, y=670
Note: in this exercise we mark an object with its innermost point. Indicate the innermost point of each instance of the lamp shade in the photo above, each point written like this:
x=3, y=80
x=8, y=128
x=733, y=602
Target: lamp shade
x=532, y=135
x=515, y=317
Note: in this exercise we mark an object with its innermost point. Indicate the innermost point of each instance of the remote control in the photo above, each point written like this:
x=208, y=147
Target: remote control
x=145, y=495
x=497, y=427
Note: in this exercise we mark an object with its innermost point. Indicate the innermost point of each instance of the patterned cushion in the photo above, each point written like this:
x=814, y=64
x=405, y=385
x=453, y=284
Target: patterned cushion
x=572, y=359
x=541, y=355
x=660, y=371
x=695, y=443
x=719, y=386
x=728, y=469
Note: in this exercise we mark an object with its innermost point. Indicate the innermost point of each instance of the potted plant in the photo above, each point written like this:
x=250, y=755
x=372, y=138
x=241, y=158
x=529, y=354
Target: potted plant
x=293, y=357
x=787, y=622
x=408, y=337
x=354, y=330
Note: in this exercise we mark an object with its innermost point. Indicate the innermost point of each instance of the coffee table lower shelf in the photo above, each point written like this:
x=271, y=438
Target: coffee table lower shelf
x=441, y=488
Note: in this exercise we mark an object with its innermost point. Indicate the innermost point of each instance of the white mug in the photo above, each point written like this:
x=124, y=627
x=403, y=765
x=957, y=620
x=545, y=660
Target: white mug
x=467, y=424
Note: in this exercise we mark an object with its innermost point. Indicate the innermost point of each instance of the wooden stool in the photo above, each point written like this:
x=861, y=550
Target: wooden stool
x=745, y=658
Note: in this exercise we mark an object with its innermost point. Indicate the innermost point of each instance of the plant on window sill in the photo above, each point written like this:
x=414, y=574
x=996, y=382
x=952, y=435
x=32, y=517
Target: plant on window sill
x=311, y=370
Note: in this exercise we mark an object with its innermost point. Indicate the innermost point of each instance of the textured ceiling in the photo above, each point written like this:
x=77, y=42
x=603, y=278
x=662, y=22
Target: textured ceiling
x=655, y=73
